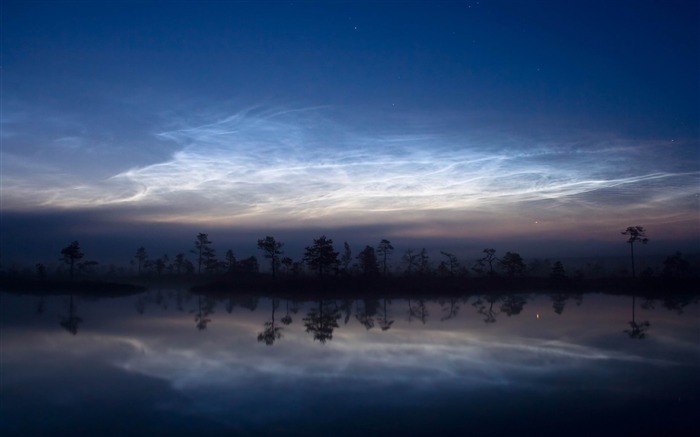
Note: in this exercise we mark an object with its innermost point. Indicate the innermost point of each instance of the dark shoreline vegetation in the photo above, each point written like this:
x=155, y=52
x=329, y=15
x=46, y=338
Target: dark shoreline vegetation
x=324, y=272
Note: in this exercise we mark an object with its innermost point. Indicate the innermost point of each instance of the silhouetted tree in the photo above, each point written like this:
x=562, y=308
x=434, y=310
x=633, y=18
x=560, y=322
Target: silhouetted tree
x=287, y=263
x=488, y=260
x=452, y=262
x=272, y=249
x=160, y=264
x=86, y=267
x=410, y=259
x=271, y=331
x=423, y=262
x=367, y=261
x=322, y=321
x=213, y=265
x=203, y=250
x=384, y=249
x=179, y=263
x=141, y=256
x=71, y=254
x=230, y=261
x=676, y=266
x=442, y=269
x=558, y=272
x=346, y=258
x=557, y=276
x=512, y=263
x=595, y=269
x=636, y=234
x=249, y=265
x=538, y=267
x=40, y=271
x=321, y=256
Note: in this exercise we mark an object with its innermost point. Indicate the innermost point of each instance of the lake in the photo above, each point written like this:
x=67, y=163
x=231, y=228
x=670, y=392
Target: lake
x=171, y=362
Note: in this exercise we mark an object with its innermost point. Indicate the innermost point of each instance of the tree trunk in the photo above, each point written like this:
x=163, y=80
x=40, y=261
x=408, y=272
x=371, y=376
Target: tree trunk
x=632, y=253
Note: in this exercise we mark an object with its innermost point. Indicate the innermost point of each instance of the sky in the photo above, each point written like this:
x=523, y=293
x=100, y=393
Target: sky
x=521, y=125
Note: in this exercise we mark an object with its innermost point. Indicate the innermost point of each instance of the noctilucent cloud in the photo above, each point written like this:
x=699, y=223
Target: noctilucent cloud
x=496, y=118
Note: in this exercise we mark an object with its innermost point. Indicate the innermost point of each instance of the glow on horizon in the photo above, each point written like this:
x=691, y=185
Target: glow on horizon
x=303, y=168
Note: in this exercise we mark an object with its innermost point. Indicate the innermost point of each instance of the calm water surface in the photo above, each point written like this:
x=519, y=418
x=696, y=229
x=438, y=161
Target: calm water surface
x=171, y=362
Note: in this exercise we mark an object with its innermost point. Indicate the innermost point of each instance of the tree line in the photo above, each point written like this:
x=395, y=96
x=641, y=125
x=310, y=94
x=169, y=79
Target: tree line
x=321, y=259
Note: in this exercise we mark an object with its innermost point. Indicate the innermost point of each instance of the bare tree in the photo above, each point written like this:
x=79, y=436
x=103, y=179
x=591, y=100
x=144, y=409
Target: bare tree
x=636, y=234
x=488, y=259
x=452, y=262
x=410, y=259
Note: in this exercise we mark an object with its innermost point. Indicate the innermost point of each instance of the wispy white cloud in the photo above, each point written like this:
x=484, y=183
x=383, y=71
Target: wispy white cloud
x=301, y=166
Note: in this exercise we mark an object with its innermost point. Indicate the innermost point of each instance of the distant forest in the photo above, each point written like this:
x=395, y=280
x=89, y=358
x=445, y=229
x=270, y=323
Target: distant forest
x=373, y=264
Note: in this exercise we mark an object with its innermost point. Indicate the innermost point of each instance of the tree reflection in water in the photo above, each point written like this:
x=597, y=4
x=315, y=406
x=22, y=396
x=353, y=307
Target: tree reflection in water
x=450, y=308
x=346, y=307
x=205, y=307
x=72, y=321
x=322, y=320
x=40, y=306
x=559, y=300
x=366, y=311
x=637, y=330
x=513, y=304
x=324, y=315
x=487, y=311
x=287, y=319
x=271, y=331
x=384, y=321
x=417, y=310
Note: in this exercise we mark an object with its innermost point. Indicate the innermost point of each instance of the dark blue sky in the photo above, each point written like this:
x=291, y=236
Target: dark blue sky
x=427, y=120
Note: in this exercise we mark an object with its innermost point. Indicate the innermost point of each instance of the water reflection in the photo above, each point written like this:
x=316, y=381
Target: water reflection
x=321, y=320
x=205, y=308
x=71, y=321
x=637, y=329
x=450, y=308
x=384, y=321
x=271, y=331
x=417, y=309
x=451, y=373
x=323, y=316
